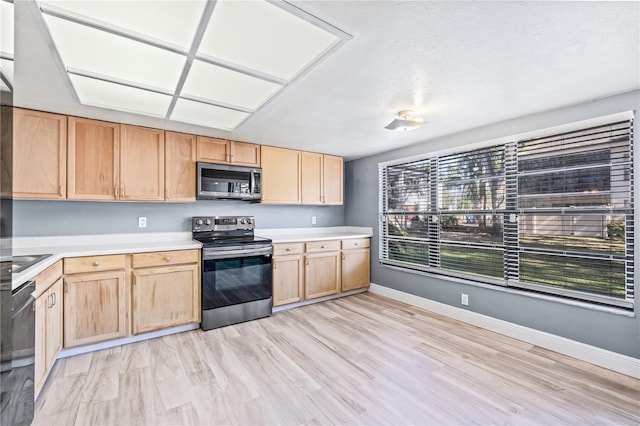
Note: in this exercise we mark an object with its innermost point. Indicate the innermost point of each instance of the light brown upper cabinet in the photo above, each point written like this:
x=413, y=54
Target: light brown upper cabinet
x=39, y=144
x=245, y=154
x=212, y=150
x=109, y=161
x=141, y=163
x=322, y=179
x=332, y=179
x=93, y=166
x=280, y=175
x=180, y=167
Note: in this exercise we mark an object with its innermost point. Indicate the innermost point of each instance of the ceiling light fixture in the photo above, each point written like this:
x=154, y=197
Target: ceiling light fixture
x=405, y=121
x=223, y=63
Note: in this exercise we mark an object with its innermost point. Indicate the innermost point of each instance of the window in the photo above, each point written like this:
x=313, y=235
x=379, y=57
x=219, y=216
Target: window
x=552, y=214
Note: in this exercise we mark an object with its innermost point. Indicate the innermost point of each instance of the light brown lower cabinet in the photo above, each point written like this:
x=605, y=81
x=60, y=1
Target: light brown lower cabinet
x=48, y=332
x=303, y=271
x=288, y=273
x=95, y=302
x=166, y=292
x=322, y=269
x=356, y=270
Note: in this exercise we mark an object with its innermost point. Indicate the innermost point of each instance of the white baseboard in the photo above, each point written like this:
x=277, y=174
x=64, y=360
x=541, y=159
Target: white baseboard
x=119, y=342
x=611, y=360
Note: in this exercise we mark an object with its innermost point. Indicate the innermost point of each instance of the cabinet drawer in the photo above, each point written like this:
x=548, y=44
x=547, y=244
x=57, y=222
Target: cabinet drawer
x=316, y=246
x=47, y=277
x=160, y=258
x=288, y=248
x=74, y=265
x=355, y=243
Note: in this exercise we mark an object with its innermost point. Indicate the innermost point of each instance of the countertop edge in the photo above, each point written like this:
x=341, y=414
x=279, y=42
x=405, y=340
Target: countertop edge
x=61, y=252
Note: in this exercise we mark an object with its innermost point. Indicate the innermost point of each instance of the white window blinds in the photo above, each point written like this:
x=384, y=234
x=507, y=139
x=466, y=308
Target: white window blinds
x=552, y=214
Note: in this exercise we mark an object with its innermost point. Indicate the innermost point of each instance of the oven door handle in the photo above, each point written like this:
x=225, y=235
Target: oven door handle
x=227, y=254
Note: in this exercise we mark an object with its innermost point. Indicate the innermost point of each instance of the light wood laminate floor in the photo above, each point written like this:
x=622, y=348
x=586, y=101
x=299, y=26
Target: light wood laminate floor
x=361, y=359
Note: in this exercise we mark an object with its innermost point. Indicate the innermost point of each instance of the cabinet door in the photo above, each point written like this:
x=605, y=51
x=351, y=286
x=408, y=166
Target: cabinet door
x=93, y=159
x=180, y=167
x=288, y=279
x=165, y=297
x=332, y=179
x=280, y=175
x=94, y=308
x=311, y=180
x=245, y=154
x=212, y=150
x=54, y=324
x=322, y=274
x=355, y=269
x=141, y=163
x=40, y=360
x=39, y=154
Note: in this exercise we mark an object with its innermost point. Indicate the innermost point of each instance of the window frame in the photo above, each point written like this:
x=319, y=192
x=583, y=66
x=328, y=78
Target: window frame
x=511, y=214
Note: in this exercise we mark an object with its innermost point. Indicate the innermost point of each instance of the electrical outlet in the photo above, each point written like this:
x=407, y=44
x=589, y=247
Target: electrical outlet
x=464, y=299
x=142, y=222
x=313, y=220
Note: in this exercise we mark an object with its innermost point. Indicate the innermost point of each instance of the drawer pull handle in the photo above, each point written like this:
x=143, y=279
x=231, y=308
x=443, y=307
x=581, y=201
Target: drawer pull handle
x=96, y=263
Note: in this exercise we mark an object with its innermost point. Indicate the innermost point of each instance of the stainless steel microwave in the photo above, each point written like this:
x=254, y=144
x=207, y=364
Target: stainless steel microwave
x=219, y=181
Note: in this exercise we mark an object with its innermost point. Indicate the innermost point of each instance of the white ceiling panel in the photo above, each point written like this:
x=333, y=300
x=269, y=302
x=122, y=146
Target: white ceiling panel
x=263, y=37
x=85, y=48
x=207, y=115
x=170, y=21
x=6, y=28
x=221, y=85
x=109, y=95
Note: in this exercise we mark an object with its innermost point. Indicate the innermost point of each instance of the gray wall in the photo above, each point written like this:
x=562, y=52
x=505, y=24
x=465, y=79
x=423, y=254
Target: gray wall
x=613, y=332
x=38, y=218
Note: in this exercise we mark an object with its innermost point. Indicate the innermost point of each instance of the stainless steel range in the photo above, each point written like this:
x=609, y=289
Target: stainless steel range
x=236, y=270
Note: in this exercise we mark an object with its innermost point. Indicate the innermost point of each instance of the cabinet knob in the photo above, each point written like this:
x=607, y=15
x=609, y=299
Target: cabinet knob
x=322, y=246
x=355, y=244
x=288, y=249
x=166, y=259
x=96, y=263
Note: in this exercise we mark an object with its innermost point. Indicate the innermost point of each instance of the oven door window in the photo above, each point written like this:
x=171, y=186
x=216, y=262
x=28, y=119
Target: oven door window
x=228, y=282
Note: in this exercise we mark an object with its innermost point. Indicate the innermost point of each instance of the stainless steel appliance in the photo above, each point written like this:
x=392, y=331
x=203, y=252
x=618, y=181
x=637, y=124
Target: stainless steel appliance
x=17, y=352
x=219, y=181
x=236, y=270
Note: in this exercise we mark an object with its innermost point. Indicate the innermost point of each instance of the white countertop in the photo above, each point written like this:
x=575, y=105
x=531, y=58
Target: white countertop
x=296, y=235
x=101, y=244
x=94, y=245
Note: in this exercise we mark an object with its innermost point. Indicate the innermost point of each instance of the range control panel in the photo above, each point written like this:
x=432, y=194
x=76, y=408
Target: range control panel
x=222, y=223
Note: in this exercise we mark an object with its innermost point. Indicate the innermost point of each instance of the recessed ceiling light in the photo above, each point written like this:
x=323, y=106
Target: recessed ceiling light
x=263, y=37
x=224, y=86
x=116, y=96
x=207, y=115
x=249, y=50
x=172, y=22
x=88, y=49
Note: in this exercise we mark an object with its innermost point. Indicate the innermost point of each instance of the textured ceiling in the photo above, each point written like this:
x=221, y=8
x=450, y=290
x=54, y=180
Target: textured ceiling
x=461, y=65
